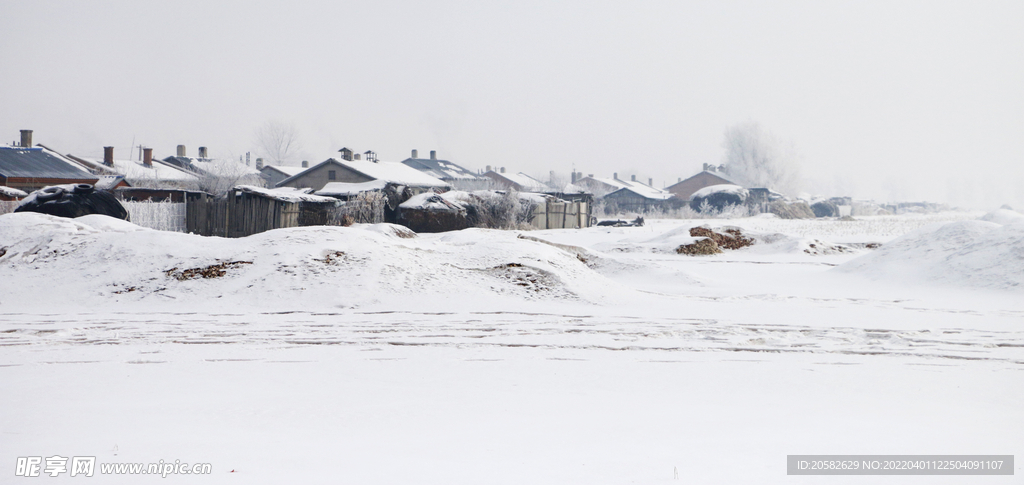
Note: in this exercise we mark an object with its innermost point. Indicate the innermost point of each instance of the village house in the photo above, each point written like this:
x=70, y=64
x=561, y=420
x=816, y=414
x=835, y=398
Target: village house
x=710, y=175
x=358, y=171
x=521, y=182
x=146, y=173
x=28, y=168
x=274, y=174
x=638, y=197
x=444, y=170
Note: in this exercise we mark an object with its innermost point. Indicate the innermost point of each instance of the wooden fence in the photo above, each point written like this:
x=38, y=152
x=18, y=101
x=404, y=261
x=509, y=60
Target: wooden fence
x=242, y=214
x=560, y=214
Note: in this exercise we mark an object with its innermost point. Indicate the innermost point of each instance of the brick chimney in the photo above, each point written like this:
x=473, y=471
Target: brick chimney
x=108, y=156
x=26, y=138
x=433, y=154
x=615, y=176
x=147, y=157
x=650, y=182
x=633, y=178
x=181, y=151
x=202, y=152
x=415, y=154
x=305, y=164
x=502, y=169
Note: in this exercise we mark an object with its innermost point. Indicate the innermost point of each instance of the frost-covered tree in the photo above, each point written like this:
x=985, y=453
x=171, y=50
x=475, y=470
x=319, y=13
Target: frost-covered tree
x=754, y=157
x=277, y=141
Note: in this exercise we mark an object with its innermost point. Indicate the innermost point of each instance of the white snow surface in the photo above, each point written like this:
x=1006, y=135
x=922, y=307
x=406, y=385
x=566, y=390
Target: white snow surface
x=363, y=355
x=977, y=254
x=11, y=191
x=394, y=172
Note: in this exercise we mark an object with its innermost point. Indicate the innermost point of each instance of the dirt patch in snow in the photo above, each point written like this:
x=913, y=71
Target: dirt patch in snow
x=212, y=271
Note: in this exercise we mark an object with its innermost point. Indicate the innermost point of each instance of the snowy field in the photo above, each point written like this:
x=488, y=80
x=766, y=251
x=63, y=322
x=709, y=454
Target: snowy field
x=364, y=355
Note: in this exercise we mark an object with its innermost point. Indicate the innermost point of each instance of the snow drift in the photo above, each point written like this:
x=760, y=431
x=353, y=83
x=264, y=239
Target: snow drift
x=974, y=254
x=94, y=261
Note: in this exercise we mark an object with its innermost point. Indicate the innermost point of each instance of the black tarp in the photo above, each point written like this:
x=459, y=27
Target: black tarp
x=73, y=201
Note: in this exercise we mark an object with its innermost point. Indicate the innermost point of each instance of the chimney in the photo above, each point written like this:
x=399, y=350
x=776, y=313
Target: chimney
x=488, y=168
x=433, y=154
x=108, y=156
x=679, y=180
x=415, y=154
x=615, y=175
x=502, y=169
x=590, y=175
x=181, y=151
x=202, y=152
x=26, y=138
x=650, y=181
x=305, y=164
x=259, y=164
x=356, y=155
x=633, y=178
x=573, y=178
x=147, y=157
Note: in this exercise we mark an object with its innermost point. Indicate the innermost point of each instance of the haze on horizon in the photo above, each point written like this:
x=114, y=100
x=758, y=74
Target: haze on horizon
x=883, y=100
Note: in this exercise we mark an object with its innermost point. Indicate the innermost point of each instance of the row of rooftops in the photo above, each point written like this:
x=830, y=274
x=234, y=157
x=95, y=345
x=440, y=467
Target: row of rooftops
x=39, y=164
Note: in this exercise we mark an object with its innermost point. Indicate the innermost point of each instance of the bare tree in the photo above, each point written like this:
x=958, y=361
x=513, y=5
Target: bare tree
x=277, y=141
x=754, y=157
x=220, y=175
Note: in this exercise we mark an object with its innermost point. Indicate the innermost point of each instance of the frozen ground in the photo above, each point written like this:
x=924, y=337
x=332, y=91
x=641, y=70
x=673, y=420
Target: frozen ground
x=355, y=355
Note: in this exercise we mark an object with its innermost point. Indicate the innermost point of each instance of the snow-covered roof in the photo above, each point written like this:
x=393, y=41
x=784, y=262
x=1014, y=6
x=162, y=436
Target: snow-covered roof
x=393, y=172
x=618, y=184
x=289, y=194
x=136, y=170
x=335, y=189
x=524, y=181
x=213, y=166
x=11, y=192
x=722, y=188
x=433, y=202
x=441, y=169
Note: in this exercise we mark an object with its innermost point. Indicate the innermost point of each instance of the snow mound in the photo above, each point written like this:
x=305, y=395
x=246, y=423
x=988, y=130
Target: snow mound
x=970, y=254
x=91, y=262
x=1003, y=216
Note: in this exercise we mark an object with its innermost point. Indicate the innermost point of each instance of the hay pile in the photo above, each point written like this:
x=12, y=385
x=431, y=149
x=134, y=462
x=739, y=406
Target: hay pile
x=730, y=238
x=791, y=210
x=702, y=247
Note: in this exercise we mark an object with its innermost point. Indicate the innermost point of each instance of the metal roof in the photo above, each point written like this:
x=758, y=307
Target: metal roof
x=39, y=163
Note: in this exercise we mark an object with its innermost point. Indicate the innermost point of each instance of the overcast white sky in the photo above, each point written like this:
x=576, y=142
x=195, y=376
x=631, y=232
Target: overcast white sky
x=887, y=99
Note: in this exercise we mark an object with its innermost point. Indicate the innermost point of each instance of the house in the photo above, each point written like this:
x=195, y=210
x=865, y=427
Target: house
x=359, y=171
x=638, y=197
x=28, y=168
x=601, y=186
x=711, y=175
x=274, y=174
x=145, y=173
x=442, y=169
x=216, y=175
x=519, y=181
